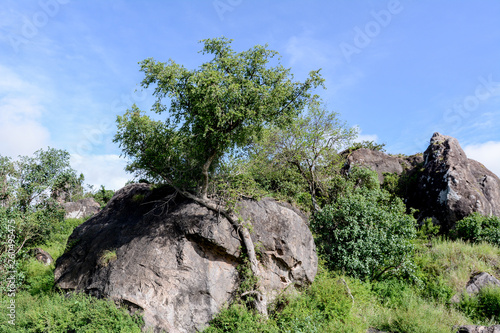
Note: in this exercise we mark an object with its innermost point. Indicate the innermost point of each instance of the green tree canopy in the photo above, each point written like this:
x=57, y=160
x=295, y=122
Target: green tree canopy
x=30, y=180
x=222, y=105
x=309, y=145
x=367, y=234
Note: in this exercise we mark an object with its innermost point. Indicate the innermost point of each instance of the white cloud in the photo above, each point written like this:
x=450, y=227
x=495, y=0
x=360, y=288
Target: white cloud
x=365, y=137
x=305, y=49
x=487, y=153
x=107, y=170
x=308, y=53
x=21, y=130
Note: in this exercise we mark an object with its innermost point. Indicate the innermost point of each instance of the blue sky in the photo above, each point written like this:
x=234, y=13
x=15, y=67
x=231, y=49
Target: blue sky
x=399, y=70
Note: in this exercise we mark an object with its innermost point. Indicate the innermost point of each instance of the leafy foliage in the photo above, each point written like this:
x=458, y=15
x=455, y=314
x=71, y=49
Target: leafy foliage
x=483, y=307
x=30, y=181
x=56, y=312
x=366, y=234
x=477, y=228
x=372, y=145
x=427, y=230
x=327, y=306
x=213, y=110
x=309, y=146
x=102, y=196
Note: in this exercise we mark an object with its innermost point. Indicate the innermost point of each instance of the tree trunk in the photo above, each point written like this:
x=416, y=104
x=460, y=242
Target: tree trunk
x=204, y=172
x=260, y=299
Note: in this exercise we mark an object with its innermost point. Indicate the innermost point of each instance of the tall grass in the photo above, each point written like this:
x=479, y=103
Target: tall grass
x=40, y=308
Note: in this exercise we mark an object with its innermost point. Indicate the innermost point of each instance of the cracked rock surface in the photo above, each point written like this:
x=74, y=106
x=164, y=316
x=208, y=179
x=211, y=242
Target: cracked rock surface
x=175, y=261
x=452, y=186
x=443, y=185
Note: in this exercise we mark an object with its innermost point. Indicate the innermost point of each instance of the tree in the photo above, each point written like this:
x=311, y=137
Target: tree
x=30, y=180
x=27, y=206
x=214, y=110
x=478, y=228
x=6, y=170
x=310, y=145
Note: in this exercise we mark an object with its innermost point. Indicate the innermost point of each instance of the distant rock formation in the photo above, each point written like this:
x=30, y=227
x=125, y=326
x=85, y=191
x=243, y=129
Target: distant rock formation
x=381, y=162
x=176, y=261
x=446, y=185
x=452, y=186
x=82, y=208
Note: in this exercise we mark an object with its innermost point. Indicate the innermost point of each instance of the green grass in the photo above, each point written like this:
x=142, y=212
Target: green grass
x=395, y=305
x=404, y=310
x=55, y=312
x=40, y=308
x=333, y=303
x=453, y=262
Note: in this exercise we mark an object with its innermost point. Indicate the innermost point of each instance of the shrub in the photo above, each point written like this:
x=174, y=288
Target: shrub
x=39, y=277
x=106, y=257
x=484, y=307
x=366, y=234
x=477, y=228
x=427, y=230
x=405, y=311
x=238, y=318
x=54, y=312
x=326, y=306
x=102, y=196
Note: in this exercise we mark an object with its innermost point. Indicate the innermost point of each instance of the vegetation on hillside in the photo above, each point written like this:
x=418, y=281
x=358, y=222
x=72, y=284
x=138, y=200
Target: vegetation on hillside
x=238, y=127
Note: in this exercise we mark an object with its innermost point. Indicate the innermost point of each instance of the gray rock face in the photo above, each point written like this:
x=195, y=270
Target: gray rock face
x=446, y=185
x=381, y=162
x=478, y=329
x=81, y=208
x=176, y=261
x=43, y=256
x=452, y=186
x=476, y=283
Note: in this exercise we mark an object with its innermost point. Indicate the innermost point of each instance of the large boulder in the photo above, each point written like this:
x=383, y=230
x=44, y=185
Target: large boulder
x=452, y=186
x=82, y=208
x=176, y=261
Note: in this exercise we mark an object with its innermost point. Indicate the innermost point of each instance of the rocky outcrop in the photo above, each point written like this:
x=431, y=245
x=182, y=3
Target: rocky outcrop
x=452, y=186
x=43, y=256
x=478, y=329
x=175, y=260
x=443, y=185
x=475, y=284
x=82, y=208
x=381, y=162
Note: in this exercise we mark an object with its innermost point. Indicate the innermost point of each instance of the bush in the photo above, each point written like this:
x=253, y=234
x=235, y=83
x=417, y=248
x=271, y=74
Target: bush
x=238, y=318
x=484, y=307
x=102, y=196
x=366, y=234
x=55, y=312
x=404, y=311
x=476, y=228
x=39, y=277
x=326, y=306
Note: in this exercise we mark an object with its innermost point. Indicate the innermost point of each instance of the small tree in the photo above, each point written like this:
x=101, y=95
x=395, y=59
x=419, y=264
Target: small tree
x=309, y=145
x=30, y=180
x=215, y=109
